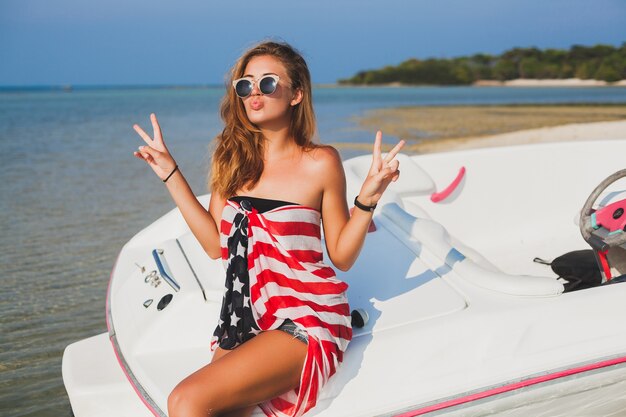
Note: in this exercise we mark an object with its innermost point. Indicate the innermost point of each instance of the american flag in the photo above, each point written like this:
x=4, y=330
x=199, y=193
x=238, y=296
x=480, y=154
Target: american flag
x=289, y=280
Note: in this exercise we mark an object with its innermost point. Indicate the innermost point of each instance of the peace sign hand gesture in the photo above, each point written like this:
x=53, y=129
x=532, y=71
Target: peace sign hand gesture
x=381, y=173
x=156, y=153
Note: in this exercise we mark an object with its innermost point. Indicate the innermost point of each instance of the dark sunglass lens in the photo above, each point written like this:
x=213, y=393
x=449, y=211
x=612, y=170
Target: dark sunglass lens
x=267, y=85
x=243, y=88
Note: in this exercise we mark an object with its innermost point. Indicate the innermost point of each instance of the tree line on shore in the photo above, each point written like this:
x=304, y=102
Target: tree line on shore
x=599, y=62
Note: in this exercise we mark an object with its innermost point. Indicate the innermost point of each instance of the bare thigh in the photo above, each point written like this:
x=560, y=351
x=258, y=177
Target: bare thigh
x=242, y=412
x=219, y=352
x=263, y=368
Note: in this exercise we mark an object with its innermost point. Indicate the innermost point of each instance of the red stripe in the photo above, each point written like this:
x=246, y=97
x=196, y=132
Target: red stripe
x=254, y=221
x=283, y=405
x=307, y=374
x=317, y=288
x=319, y=362
x=225, y=227
x=325, y=272
x=306, y=255
x=331, y=347
x=291, y=228
x=297, y=206
x=285, y=301
x=337, y=330
x=314, y=352
x=339, y=352
x=329, y=351
x=266, y=321
x=269, y=250
x=512, y=387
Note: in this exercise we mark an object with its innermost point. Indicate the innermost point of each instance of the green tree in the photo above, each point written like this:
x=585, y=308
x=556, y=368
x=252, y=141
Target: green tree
x=600, y=61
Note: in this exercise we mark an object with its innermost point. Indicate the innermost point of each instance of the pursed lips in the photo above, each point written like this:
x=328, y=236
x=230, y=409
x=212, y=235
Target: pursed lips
x=256, y=104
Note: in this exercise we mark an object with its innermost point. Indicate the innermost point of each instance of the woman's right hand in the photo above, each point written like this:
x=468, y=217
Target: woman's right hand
x=156, y=153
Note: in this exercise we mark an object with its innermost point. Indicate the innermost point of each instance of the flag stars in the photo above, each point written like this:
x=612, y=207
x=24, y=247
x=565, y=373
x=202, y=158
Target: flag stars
x=237, y=285
x=241, y=250
x=234, y=319
x=236, y=324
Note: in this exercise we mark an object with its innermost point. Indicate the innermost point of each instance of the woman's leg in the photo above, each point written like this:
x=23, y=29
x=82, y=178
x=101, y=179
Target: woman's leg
x=219, y=352
x=242, y=412
x=264, y=367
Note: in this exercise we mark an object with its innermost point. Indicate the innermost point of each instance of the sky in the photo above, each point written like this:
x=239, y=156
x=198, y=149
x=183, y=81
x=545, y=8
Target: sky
x=147, y=42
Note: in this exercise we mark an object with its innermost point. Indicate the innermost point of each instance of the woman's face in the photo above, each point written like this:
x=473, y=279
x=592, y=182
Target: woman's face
x=272, y=111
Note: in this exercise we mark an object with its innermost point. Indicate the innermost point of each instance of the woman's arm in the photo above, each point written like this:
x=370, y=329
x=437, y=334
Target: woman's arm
x=201, y=222
x=345, y=234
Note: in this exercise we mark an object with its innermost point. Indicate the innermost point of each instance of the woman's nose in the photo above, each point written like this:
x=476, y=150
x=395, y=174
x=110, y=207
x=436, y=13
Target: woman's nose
x=255, y=89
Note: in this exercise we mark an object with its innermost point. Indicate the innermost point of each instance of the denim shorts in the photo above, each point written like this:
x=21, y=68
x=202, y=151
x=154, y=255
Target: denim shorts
x=290, y=327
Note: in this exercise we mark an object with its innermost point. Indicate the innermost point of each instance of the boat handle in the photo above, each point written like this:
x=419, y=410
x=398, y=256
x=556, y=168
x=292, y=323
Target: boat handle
x=164, y=270
x=442, y=195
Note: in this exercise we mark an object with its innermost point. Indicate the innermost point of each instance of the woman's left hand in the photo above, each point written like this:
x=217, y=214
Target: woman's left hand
x=381, y=173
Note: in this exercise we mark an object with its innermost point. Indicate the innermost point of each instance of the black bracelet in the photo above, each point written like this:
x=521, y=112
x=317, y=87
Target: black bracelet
x=363, y=206
x=171, y=173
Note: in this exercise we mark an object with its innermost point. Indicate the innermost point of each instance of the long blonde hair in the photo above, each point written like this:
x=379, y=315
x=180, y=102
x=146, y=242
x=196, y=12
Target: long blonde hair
x=238, y=157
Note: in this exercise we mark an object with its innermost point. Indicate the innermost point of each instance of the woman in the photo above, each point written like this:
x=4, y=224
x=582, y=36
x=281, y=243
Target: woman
x=285, y=320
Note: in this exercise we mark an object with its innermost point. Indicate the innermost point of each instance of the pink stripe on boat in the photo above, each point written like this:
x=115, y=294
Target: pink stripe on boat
x=512, y=387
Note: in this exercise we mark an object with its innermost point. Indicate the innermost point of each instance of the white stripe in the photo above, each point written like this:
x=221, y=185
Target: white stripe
x=292, y=215
x=273, y=289
x=263, y=263
x=289, y=242
x=229, y=212
x=326, y=317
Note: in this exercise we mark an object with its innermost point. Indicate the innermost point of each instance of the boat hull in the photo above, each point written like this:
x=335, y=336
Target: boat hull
x=99, y=388
x=462, y=322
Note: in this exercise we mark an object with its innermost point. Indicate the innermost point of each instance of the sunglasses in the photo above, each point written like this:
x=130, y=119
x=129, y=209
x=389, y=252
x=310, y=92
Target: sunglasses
x=267, y=85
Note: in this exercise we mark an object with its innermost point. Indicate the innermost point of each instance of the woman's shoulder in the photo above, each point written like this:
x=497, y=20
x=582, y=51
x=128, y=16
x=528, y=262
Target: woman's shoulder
x=324, y=157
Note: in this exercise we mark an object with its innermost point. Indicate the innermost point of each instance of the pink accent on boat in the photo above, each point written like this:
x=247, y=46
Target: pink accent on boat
x=602, y=256
x=604, y=216
x=117, y=355
x=442, y=195
x=143, y=400
x=512, y=387
x=106, y=303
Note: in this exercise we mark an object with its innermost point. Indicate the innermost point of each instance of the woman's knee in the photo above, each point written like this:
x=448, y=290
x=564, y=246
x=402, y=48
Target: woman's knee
x=176, y=403
x=187, y=400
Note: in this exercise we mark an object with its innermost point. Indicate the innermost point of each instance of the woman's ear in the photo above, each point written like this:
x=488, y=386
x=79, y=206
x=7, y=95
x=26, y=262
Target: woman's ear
x=297, y=97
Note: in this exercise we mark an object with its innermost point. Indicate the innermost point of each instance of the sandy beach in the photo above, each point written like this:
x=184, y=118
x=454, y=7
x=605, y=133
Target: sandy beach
x=533, y=82
x=569, y=132
x=445, y=128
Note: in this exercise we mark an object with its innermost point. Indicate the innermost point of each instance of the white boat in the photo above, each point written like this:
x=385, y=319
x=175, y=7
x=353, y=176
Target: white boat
x=462, y=322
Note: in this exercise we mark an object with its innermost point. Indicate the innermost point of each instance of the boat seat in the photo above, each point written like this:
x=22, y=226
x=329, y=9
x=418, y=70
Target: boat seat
x=427, y=234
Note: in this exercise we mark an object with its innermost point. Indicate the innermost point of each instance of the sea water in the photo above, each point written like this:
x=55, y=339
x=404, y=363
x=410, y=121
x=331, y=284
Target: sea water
x=72, y=193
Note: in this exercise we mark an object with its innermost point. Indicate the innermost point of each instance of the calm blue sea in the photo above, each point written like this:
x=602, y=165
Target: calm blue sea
x=71, y=194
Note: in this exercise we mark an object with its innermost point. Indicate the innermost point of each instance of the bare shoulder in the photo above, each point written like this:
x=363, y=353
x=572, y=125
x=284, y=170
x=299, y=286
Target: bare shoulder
x=326, y=161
